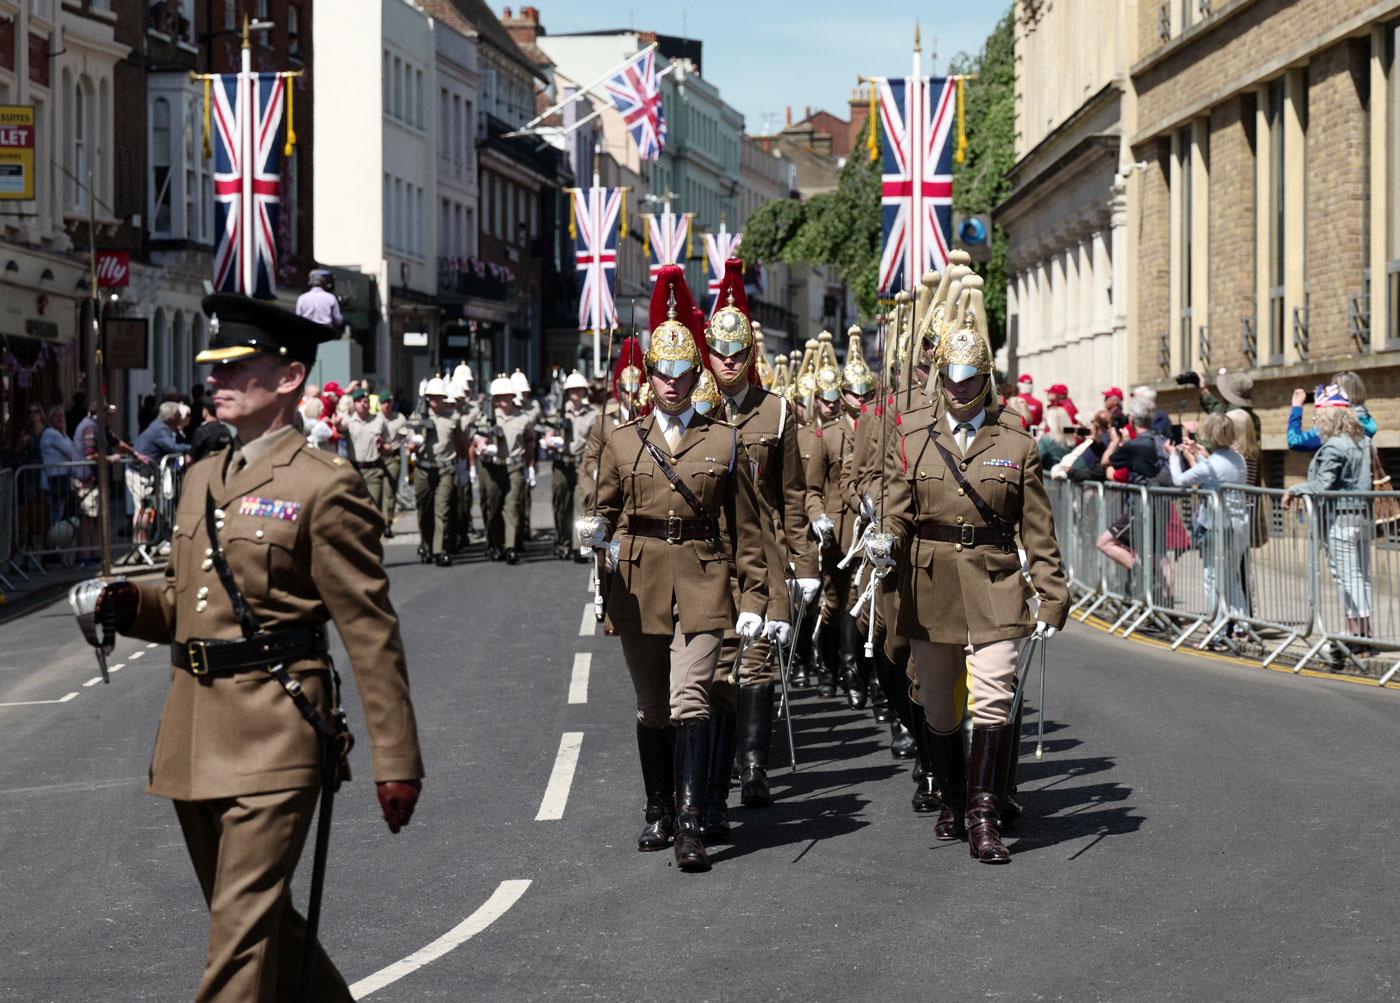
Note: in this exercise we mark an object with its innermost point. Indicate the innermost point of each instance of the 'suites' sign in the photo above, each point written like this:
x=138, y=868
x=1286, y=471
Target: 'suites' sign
x=16, y=152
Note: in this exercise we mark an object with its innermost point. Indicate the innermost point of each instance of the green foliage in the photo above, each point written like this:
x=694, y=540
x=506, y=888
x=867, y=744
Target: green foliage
x=981, y=182
x=842, y=228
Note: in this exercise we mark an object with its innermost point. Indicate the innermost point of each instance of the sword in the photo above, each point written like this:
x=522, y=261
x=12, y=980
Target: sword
x=1040, y=709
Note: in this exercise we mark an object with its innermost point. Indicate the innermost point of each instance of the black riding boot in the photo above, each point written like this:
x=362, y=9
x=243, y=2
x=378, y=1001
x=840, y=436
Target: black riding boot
x=830, y=663
x=986, y=781
x=692, y=761
x=896, y=689
x=925, y=784
x=656, y=747
x=949, y=763
x=756, y=710
x=1011, y=756
x=857, y=666
x=714, y=821
x=800, y=672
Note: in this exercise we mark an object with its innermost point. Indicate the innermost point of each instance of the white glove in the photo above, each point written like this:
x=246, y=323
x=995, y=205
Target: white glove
x=823, y=527
x=777, y=630
x=1044, y=631
x=530, y=476
x=748, y=626
x=471, y=474
x=488, y=450
x=867, y=508
x=810, y=587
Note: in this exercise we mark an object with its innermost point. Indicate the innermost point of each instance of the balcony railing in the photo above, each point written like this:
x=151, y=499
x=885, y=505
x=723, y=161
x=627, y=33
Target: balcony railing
x=474, y=277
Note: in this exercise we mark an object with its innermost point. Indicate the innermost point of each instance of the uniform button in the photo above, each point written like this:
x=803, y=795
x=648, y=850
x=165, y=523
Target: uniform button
x=203, y=592
x=1001, y=477
x=174, y=529
x=960, y=492
x=673, y=487
x=201, y=606
x=960, y=520
x=958, y=546
x=208, y=551
x=259, y=534
x=963, y=464
x=207, y=564
x=923, y=473
x=218, y=513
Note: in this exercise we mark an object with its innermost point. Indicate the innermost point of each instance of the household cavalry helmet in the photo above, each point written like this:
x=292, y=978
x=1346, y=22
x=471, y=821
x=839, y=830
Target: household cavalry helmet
x=827, y=376
x=729, y=331
x=856, y=377
x=964, y=351
x=629, y=375
x=782, y=378
x=760, y=358
x=806, y=378
x=675, y=348
x=705, y=396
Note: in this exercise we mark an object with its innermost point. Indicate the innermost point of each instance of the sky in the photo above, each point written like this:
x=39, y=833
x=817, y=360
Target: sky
x=766, y=55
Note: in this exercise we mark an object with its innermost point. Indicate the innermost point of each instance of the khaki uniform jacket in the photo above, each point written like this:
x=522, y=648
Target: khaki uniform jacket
x=827, y=469
x=226, y=736
x=654, y=577
x=443, y=441
x=578, y=429
x=601, y=431
x=519, y=433
x=950, y=593
x=768, y=431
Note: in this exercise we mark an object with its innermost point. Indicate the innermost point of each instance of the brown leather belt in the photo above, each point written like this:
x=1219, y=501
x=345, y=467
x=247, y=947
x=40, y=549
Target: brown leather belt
x=201, y=657
x=674, y=529
x=968, y=535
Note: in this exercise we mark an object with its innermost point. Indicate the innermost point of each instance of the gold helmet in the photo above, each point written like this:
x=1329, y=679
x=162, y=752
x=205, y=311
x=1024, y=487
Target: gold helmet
x=857, y=377
x=806, y=381
x=760, y=358
x=782, y=377
x=729, y=331
x=705, y=396
x=672, y=350
x=964, y=351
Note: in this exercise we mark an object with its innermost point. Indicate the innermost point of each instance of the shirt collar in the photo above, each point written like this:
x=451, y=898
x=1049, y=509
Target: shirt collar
x=681, y=420
x=737, y=400
x=976, y=421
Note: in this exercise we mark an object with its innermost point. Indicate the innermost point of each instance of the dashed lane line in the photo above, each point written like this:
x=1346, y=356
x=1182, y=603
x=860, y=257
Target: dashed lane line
x=35, y=703
x=578, y=683
x=505, y=896
x=585, y=627
x=561, y=778
x=136, y=654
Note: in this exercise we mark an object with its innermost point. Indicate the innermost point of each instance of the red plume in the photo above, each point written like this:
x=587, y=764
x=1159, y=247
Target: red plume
x=732, y=282
x=671, y=279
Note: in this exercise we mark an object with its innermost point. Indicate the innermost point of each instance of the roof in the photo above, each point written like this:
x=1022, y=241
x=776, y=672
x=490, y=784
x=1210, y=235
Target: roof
x=476, y=17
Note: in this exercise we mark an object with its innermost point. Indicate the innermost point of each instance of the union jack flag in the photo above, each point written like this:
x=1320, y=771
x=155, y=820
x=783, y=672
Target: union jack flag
x=916, y=197
x=248, y=125
x=635, y=91
x=595, y=255
x=667, y=235
x=719, y=248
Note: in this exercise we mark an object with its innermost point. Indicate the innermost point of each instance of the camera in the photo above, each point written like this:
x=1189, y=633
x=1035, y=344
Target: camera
x=1120, y=421
x=1186, y=379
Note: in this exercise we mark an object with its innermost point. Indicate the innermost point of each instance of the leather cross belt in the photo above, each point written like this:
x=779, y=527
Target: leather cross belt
x=674, y=529
x=968, y=535
x=201, y=657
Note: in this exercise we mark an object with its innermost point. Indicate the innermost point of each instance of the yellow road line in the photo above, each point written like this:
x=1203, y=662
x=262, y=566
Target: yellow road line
x=1215, y=656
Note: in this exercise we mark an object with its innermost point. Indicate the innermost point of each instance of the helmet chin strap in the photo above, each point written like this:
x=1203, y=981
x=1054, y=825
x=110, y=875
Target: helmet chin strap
x=674, y=409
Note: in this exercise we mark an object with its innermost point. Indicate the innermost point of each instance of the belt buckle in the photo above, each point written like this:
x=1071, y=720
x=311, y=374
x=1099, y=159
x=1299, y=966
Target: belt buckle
x=673, y=529
x=966, y=534
x=197, y=652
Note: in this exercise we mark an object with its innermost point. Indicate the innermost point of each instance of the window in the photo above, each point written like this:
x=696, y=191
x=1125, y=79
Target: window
x=386, y=212
x=1391, y=196
x=387, y=83
x=1184, y=169
x=160, y=166
x=397, y=104
x=1276, y=225
x=80, y=162
x=418, y=118
x=230, y=15
x=264, y=10
x=294, y=31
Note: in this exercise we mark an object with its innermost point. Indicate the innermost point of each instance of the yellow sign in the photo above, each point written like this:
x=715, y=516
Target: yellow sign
x=16, y=152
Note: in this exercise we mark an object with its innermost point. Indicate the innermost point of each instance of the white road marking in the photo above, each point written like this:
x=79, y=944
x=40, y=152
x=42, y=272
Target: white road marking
x=556, y=794
x=35, y=703
x=136, y=654
x=578, y=685
x=93, y=681
x=585, y=628
x=505, y=896
x=152, y=644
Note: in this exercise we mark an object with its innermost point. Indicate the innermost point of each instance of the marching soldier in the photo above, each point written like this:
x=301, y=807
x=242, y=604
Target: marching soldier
x=526, y=404
x=365, y=436
x=675, y=494
x=576, y=420
x=507, y=453
x=252, y=726
x=436, y=449
x=768, y=431
x=468, y=408
x=964, y=486
x=622, y=406
x=395, y=437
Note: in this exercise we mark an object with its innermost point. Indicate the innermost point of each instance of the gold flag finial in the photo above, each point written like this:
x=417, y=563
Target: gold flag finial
x=246, y=43
x=916, y=35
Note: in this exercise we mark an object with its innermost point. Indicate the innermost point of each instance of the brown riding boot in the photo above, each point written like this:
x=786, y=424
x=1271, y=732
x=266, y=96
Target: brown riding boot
x=985, y=787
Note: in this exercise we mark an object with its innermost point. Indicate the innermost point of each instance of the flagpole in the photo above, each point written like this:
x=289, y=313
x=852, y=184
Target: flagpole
x=558, y=105
x=599, y=273
x=917, y=113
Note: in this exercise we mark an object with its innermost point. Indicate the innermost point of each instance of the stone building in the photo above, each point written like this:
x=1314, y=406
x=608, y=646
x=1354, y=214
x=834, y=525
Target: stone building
x=1270, y=212
x=1067, y=216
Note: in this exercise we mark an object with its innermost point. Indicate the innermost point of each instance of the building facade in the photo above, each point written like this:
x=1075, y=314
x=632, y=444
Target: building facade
x=1067, y=218
x=1267, y=140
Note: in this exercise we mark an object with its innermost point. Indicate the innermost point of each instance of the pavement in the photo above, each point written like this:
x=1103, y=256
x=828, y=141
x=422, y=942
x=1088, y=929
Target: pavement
x=1196, y=829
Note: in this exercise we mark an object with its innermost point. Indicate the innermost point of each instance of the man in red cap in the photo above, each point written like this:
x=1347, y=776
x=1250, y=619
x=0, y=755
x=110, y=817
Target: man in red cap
x=1113, y=402
x=1058, y=395
x=1035, y=411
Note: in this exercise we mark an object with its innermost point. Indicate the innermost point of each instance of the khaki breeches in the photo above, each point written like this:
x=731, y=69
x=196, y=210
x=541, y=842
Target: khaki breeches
x=757, y=668
x=942, y=672
x=244, y=850
x=671, y=675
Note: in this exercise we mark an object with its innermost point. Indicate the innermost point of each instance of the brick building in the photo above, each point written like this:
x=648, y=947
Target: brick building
x=1267, y=142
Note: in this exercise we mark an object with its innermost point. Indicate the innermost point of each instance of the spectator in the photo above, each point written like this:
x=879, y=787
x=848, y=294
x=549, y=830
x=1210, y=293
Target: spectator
x=319, y=304
x=1212, y=463
x=1085, y=463
x=1307, y=440
x=1058, y=439
x=57, y=452
x=309, y=391
x=1035, y=411
x=1237, y=389
x=318, y=431
x=158, y=438
x=1342, y=463
x=1058, y=397
x=1017, y=406
x=1161, y=424
x=156, y=441
x=1113, y=403
x=211, y=436
x=1138, y=454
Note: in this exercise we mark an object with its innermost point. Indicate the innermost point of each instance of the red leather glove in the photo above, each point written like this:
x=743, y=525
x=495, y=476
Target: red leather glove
x=397, y=799
x=116, y=606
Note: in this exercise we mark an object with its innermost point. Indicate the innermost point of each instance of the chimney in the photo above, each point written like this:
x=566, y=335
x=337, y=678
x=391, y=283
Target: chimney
x=789, y=116
x=525, y=28
x=860, y=110
x=809, y=111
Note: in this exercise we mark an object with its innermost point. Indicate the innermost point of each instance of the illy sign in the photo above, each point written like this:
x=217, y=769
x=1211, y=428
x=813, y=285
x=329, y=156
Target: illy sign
x=113, y=269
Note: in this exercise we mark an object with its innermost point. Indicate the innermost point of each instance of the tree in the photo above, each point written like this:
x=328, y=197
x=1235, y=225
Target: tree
x=842, y=228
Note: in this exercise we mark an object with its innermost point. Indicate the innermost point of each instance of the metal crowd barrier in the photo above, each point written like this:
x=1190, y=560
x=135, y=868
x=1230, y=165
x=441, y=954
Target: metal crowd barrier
x=55, y=514
x=1237, y=564
x=7, y=529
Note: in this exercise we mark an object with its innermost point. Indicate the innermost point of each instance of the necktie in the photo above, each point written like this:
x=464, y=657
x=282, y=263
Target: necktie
x=673, y=434
x=729, y=409
x=964, y=435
